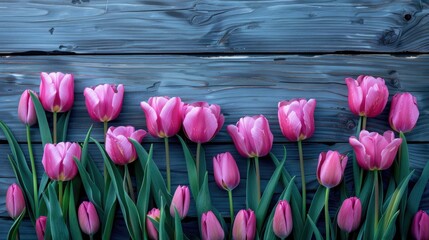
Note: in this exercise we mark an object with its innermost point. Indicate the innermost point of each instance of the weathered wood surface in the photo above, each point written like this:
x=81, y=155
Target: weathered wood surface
x=106, y=26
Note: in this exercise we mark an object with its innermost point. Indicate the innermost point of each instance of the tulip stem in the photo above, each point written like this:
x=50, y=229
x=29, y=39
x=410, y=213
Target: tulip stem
x=105, y=168
x=197, y=160
x=91, y=237
x=54, y=127
x=60, y=192
x=130, y=184
x=376, y=200
x=167, y=163
x=304, y=194
x=231, y=208
x=327, y=217
x=33, y=170
x=363, y=122
x=258, y=179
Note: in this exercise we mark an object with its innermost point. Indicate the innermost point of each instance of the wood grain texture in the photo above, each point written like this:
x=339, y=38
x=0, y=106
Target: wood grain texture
x=159, y=26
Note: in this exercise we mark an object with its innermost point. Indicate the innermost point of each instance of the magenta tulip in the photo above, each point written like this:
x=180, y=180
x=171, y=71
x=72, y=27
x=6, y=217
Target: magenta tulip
x=404, y=112
x=252, y=136
x=118, y=145
x=88, y=218
x=210, y=227
x=163, y=116
x=181, y=201
x=244, y=225
x=58, y=160
x=41, y=227
x=296, y=118
x=367, y=95
x=26, y=110
x=349, y=215
x=330, y=169
x=104, y=102
x=374, y=151
x=15, y=202
x=151, y=230
x=282, y=220
x=202, y=121
x=420, y=226
x=56, y=91
x=226, y=172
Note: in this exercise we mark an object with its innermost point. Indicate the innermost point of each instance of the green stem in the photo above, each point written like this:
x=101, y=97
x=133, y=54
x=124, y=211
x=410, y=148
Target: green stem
x=91, y=237
x=54, y=128
x=105, y=169
x=33, y=170
x=130, y=184
x=327, y=217
x=304, y=193
x=258, y=179
x=167, y=163
x=231, y=208
x=197, y=160
x=376, y=200
x=60, y=192
x=363, y=122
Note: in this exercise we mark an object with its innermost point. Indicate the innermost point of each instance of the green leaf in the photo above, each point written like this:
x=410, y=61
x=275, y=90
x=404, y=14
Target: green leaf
x=14, y=229
x=404, y=163
x=162, y=231
x=357, y=171
x=252, y=196
x=133, y=215
x=55, y=216
x=43, y=184
x=314, y=228
x=62, y=126
x=315, y=208
x=143, y=199
x=178, y=233
x=192, y=169
x=110, y=209
x=203, y=167
x=91, y=189
x=366, y=191
x=369, y=232
x=389, y=233
x=66, y=200
x=45, y=132
x=73, y=220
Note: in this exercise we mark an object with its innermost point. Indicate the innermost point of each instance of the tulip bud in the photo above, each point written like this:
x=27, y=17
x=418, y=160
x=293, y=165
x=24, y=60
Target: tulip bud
x=404, y=112
x=226, y=172
x=118, y=145
x=330, y=169
x=26, y=110
x=151, y=230
x=58, y=160
x=104, y=102
x=202, y=121
x=210, y=227
x=15, y=202
x=282, y=221
x=252, y=136
x=296, y=118
x=349, y=214
x=420, y=226
x=88, y=218
x=181, y=201
x=164, y=116
x=56, y=91
x=367, y=95
x=244, y=225
x=41, y=227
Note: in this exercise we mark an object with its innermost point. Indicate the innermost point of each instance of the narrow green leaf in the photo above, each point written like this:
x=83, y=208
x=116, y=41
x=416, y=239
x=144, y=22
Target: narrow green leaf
x=252, y=195
x=14, y=229
x=45, y=132
x=315, y=208
x=66, y=199
x=43, y=184
x=203, y=201
x=203, y=167
x=314, y=228
x=143, y=199
x=162, y=232
x=73, y=220
x=133, y=215
x=357, y=171
x=55, y=216
x=370, y=228
x=192, y=169
x=91, y=189
x=110, y=209
x=366, y=191
x=178, y=231
x=389, y=233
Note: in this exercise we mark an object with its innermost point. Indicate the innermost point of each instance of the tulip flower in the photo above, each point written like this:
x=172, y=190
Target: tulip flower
x=296, y=118
x=210, y=227
x=367, y=95
x=282, y=220
x=104, y=102
x=88, y=218
x=58, y=160
x=330, y=169
x=349, y=215
x=244, y=225
x=404, y=112
x=226, y=172
x=56, y=91
x=15, y=202
x=181, y=201
x=41, y=227
x=420, y=226
x=151, y=230
x=26, y=110
x=118, y=146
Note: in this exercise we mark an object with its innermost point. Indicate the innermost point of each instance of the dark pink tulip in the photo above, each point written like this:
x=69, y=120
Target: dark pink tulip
x=252, y=136
x=88, y=218
x=374, y=151
x=404, y=112
x=26, y=110
x=330, y=169
x=225, y=170
x=420, y=226
x=56, y=91
x=104, y=102
x=349, y=215
x=118, y=145
x=154, y=214
x=163, y=116
x=367, y=95
x=181, y=201
x=15, y=202
x=296, y=118
x=210, y=227
x=244, y=225
x=202, y=121
x=58, y=160
x=41, y=227
x=282, y=221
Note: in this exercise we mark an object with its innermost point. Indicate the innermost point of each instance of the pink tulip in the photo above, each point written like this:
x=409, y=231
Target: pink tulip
x=349, y=214
x=181, y=201
x=58, y=160
x=151, y=230
x=104, y=102
x=226, y=172
x=210, y=227
x=118, y=145
x=296, y=118
x=202, y=121
x=41, y=227
x=15, y=202
x=374, y=151
x=367, y=95
x=330, y=169
x=163, y=116
x=26, y=110
x=404, y=112
x=56, y=91
x=420, y=226
x=244, y=225
x=88, y=218
x=282, y=221
x=252, y=136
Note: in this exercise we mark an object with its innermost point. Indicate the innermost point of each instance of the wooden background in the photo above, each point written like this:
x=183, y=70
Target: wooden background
x=243, y=55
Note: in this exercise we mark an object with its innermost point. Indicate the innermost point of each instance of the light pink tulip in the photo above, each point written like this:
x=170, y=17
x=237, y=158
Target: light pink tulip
x=349, y=215
x=164, y=116
x=58, y=160
x=56, y=91
x=282, y=220
x=151, y=230
x=202, y=121
x=119, y=147
x=26, y=110
x=226, y=172
x=210, y=227
x=420, y=226
x=252, y=136
x=104, y=102
x=88, y=218
x=374, y=151
x=404, y=112
x=181, y=201
x=15, y=202
x=41, y=227
x=244, y=225
x=367, y=95
x=330, y=169
x=296, y=118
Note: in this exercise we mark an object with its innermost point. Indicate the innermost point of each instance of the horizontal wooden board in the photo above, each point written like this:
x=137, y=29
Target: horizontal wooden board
x=103, y=26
